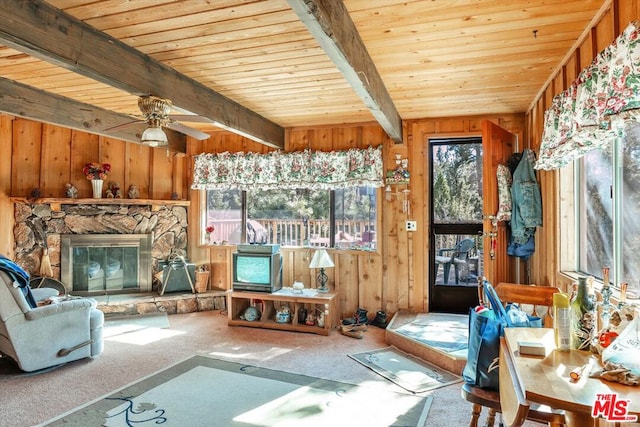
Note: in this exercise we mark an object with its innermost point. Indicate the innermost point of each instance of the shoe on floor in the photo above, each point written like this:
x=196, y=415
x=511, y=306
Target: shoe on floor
x=380, y=320
x=346, y=330
x=361, y=327
x=359, y=318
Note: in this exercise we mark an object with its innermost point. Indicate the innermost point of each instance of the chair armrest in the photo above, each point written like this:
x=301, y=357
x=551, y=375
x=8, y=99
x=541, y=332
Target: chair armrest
x=41, y=294
x=61, y=307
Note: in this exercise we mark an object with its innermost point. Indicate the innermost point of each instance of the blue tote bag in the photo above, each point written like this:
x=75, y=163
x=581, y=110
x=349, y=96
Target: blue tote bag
x=485, y=329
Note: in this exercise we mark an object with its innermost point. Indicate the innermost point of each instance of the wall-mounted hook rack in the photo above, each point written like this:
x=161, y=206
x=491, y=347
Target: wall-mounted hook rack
x=406, y=203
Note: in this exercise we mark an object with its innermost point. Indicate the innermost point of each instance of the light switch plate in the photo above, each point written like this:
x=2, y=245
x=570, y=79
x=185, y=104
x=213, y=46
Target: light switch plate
x=412, y=225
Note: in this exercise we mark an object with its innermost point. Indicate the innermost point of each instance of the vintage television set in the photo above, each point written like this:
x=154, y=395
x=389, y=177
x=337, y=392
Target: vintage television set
x=257, y=268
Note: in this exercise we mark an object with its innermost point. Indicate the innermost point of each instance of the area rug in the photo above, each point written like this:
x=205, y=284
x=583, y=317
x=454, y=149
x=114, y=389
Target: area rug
x=203, y=391
x=445, y=332
x=114, y=326
x=407, y=371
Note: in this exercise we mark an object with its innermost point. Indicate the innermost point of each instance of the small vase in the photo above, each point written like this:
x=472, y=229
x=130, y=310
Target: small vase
x=97, y=188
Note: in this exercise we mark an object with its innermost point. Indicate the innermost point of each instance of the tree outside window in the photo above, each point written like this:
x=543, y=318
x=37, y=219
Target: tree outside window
x=343, y=218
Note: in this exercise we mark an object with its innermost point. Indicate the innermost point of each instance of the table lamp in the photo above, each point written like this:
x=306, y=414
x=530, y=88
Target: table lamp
x=321, y=260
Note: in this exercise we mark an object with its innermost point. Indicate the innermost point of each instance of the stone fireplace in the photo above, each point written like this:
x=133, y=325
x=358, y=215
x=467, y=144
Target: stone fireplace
x=158, y=230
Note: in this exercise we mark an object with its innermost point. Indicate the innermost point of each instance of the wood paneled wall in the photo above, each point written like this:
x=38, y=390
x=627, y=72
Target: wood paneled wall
x=6, y=207
x=42, y=158
x=545, y=263
x=394, y=277
x=45, y=157
x=357, y=276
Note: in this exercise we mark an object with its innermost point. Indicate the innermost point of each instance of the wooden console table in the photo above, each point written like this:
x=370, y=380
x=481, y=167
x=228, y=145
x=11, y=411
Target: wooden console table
x=314, y=302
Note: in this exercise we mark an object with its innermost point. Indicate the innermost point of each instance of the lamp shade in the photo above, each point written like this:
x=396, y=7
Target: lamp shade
x=154, y=137
x=321, y=259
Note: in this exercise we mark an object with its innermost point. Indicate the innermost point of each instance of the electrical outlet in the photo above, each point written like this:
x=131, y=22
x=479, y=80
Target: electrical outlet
x=412, y=225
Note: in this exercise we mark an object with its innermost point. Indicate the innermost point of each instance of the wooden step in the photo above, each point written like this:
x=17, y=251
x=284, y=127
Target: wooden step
x=452, y=361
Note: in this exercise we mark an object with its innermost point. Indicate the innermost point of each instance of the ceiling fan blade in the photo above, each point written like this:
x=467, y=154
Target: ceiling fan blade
x=192, y=132
x=193, y=118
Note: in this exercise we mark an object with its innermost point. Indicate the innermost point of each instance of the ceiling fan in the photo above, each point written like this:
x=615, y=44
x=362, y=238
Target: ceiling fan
x=156, y=113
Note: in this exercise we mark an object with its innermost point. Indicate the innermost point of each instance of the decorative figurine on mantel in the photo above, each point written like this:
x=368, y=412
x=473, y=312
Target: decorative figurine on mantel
x=114, y=191
x=133, y=192
x=70, y=191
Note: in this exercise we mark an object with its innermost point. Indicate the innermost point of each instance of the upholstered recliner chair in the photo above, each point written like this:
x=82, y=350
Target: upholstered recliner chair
x=41, y=337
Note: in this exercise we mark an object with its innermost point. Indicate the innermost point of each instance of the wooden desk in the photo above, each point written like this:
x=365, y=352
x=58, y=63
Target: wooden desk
x=546, y=379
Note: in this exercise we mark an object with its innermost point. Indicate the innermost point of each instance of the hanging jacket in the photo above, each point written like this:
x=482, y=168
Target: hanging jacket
x=504, y=193
x=526, y=213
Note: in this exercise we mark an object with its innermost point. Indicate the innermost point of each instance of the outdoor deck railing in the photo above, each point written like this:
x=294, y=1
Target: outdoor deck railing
x=289, y=232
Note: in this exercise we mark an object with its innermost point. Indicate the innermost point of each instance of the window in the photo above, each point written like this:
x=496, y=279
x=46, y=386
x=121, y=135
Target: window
x=223, y=215
x=343, y=218
x=608, y=205
x=354, y=218
x=287, y=217
x=596, y=219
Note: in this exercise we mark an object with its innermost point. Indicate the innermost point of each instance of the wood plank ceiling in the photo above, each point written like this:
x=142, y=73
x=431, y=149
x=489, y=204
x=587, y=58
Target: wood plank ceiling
x=259, y=67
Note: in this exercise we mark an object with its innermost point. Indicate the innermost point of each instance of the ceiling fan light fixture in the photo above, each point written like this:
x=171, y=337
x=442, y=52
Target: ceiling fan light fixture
x=154, y=137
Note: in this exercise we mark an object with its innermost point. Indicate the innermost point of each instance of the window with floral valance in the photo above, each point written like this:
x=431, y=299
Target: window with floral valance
x=597, y=107
x=306, y=169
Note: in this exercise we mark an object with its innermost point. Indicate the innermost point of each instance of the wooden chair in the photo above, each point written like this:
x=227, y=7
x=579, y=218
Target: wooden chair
x=540, y=299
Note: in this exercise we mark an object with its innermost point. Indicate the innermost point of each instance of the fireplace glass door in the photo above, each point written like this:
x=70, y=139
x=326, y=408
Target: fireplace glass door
x=99, y=263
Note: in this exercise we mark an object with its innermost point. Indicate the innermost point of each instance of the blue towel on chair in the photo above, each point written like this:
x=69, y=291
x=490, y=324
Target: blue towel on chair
x=19, y=276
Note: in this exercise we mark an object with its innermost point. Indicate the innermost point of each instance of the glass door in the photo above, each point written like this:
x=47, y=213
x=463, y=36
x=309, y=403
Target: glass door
x=456, y=244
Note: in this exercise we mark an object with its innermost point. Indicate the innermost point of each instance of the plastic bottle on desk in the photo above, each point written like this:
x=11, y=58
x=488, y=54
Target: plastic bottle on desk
x=562, y=321
x=583, y=317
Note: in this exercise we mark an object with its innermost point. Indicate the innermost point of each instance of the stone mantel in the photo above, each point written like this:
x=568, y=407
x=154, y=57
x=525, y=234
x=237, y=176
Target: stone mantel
x=57, y=202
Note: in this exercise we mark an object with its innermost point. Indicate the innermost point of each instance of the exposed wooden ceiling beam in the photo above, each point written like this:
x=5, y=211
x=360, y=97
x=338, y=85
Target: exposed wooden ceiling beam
x=25, y=101
x=329, y=22
x=41, y=30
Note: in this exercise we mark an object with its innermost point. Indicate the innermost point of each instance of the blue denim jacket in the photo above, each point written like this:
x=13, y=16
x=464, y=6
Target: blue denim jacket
x=526, y=213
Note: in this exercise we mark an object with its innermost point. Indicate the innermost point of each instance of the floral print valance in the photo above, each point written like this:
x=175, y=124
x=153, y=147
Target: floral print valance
x=298, y=169
x=595, y=109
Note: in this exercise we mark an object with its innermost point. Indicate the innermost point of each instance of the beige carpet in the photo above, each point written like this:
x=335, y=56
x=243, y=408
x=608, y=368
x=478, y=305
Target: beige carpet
x=114, y=326
x=30, y=400
x=409, y=372
x=183, y=395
